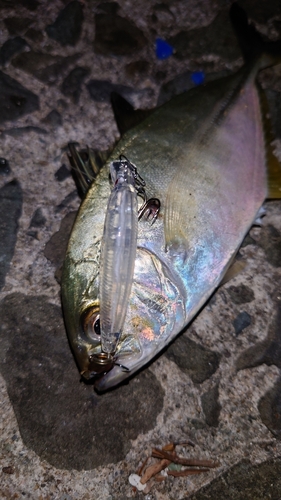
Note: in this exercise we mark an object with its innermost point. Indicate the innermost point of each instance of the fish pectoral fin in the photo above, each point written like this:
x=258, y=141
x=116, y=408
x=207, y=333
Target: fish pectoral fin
x=85, y=165
x=125, y=115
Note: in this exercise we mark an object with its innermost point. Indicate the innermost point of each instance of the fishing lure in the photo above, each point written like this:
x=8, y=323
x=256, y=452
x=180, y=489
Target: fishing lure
x=118, y=254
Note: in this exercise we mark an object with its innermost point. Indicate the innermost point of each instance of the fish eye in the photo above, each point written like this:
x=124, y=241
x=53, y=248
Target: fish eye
x=90, y=321
x=97, y=325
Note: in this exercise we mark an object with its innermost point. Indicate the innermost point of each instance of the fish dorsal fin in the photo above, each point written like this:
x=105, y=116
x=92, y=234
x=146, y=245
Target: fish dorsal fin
x=273, y=164
x=125, y=115
x=85, y=165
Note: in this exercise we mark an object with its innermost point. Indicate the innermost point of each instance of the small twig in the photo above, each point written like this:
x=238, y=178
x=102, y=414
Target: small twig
x=185, y=472
x=141, y=468
x=169, y=447
x=152, y=470
x=183, y=461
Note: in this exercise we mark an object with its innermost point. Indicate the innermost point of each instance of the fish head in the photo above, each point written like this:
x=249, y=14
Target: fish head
x=155, y=313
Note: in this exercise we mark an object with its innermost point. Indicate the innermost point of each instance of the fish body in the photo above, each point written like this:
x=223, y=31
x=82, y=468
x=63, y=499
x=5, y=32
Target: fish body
x=203, y=155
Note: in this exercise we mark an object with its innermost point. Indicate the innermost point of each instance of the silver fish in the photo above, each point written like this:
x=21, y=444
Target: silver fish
x=203, y=155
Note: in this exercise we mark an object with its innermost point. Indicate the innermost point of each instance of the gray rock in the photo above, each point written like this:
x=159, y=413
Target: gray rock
x=67, y=28
x=242, y=321
x=59, y=417
x=263, y=10
x=270, y=241
x=211, y=406
x=194, y=359
x=15, y=100
x=245, y=481
x=116, y=35
x=179, y=84
x=268, y=351
x=53, y=119
x=72, y=84
x=195, y=43
x=10, y=212
x=241, y=294
x=4, y=167
x=10, y=48
x=62, y=173
x=38, y=219
x=270, y=409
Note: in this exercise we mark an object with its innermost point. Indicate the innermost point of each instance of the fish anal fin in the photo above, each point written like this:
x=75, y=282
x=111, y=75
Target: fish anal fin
x=125, y=115
x=234, y=270
x=273, y=164
x=85, y=165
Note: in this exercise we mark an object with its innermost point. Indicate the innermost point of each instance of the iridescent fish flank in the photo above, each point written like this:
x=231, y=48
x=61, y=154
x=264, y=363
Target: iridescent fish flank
x=203, y=155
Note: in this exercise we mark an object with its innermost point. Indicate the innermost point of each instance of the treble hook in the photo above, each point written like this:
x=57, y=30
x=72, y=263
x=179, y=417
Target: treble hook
x=152, y=206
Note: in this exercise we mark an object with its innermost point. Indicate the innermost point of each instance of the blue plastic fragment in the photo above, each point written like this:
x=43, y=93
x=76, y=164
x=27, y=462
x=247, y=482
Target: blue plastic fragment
x=163, y=49
x=198, y=77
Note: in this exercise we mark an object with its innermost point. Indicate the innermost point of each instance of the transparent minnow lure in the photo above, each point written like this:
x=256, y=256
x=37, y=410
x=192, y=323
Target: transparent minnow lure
x=118, y=253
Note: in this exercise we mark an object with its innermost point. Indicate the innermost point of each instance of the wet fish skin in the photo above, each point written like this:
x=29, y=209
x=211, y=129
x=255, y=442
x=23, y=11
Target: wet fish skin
x=202, y=154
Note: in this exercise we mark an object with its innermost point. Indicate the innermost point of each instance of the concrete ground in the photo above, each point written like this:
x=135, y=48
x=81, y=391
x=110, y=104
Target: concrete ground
x=219, y=384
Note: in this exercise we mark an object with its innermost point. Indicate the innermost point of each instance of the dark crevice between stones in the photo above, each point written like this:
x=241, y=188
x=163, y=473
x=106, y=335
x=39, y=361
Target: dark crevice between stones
x=60, y=417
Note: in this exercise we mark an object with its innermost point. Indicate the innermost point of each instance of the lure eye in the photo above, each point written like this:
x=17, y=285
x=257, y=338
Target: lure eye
x=90, y=320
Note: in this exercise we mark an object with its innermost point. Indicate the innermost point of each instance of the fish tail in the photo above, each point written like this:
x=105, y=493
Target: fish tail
x=253, y=45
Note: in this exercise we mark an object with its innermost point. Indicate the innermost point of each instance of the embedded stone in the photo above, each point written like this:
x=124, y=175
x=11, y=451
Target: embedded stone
x=197, y=361
x=72, y=84
x=10, y=212
x=15, y=100
x=67, y=28
x=10, y=48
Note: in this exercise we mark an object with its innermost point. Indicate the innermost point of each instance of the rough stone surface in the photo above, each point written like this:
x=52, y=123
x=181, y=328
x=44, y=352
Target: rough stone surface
x=194, y=359
x=38, y=219
x=10, y=211
x=66, y=29
x=245, y=482
x=82, y=430
x=15, y=100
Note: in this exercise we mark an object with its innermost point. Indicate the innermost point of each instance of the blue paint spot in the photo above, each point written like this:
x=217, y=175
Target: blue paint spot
x=198, y=77
x=163, y=49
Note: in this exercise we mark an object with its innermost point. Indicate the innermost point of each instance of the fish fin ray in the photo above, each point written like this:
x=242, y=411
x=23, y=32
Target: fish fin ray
x=85, y=165
x=125, y=115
